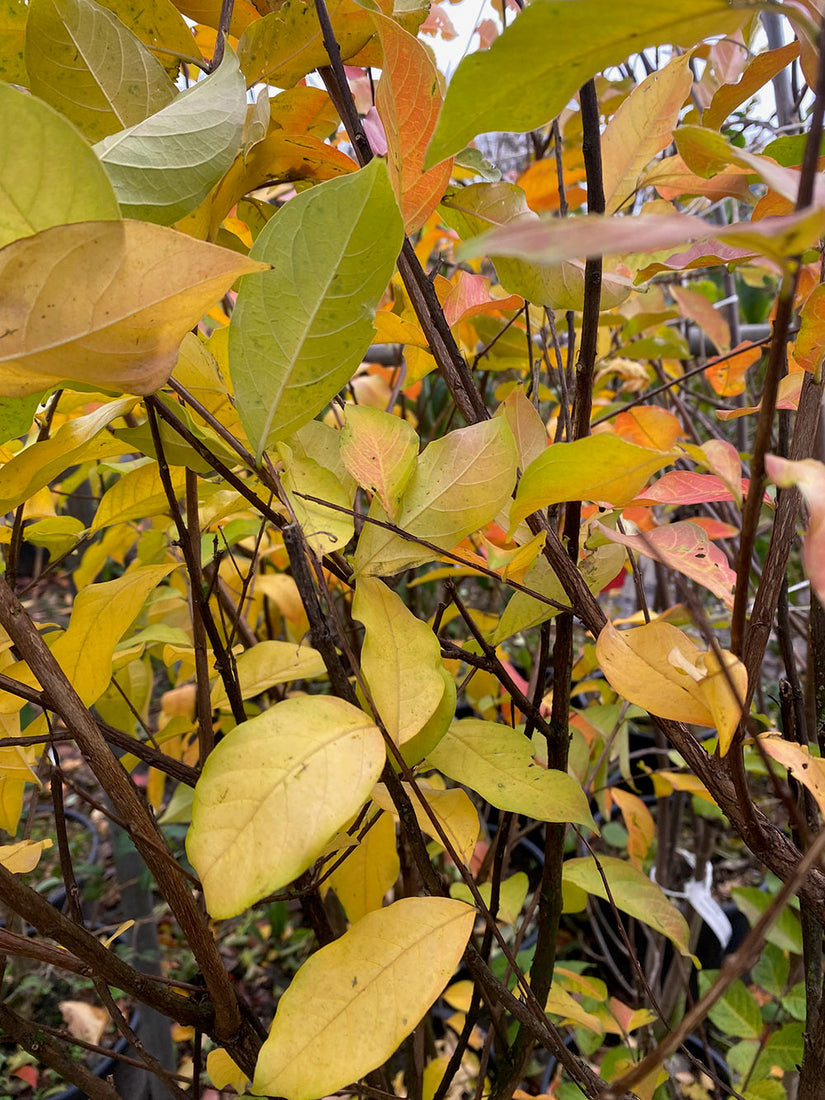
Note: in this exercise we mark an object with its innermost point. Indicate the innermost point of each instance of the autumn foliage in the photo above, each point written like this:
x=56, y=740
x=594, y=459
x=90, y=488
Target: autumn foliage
x=423, y=556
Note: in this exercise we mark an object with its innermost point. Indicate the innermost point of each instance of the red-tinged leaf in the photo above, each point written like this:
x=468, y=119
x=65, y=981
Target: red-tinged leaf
x=649, y=426
x=810, y=341
x=409, y=99
x=487, y=30
x=686, y=487
x=686, y=548
x=638, y=820
x=673, y=179
x=553, y=241
x=471, y=296
x=790, y=387
x=642, y=127
x=728, y=377
x=723, y=459
x=763, y=68
x=801, y=765
x=699, y=309
x=438, y=23
x=702, y=254
x=27, y=1074
x=715, y=528
x=809, y=477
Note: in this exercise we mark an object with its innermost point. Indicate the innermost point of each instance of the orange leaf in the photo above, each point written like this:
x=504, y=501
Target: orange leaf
x=409, y=100
x=649, y=426
x=810, y=342
x=471, y=296
x=697, y=308
x=790, y=387
x=638, y=821
x=728, y=377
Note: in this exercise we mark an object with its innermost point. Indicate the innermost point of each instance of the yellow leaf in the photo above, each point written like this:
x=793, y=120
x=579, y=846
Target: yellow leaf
x=642, y=127
x=23, y=856
x=401, y=663
x=601, y=468
x=75, y=442
x=352, y=1003
x=326, y=529
x=105, y=304
x=659, y=668
x=85, y=1021
x=392, y=329
x=274, y=792
x=368, y=872
x=269, y=663
x=15, y=769
x=561, y=1003
x=137, y=494
x=638, y=821
x=223, y=1073
x=101, y=615
x=453, y=810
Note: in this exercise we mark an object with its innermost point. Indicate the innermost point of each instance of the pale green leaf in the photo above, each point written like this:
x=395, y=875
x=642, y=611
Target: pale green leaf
x=163, y=167
x=632, y=891
x=401, y=663
x=379, y=450
x=299, y=331
x=273, y=793
x=16, y=415
x=512, y=892
x=785, y=932
x=105, y=303
x=497, y=762
x=48, y=174
x=83, y=61
x=269, y=663
x=553, y=48
x=326, y=529
x=354, y=1001
x=603, y=468
x=461, y=482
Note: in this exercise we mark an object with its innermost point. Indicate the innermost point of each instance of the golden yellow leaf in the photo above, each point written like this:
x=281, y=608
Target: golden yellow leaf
x=368, y=872
x=269, y=663
x=23, y=856
x=224, y=1073
x=105, y=304
x=352, y=1003
x=452, y=808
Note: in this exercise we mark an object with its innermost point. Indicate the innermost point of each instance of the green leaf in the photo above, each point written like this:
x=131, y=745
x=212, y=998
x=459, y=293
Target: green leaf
x=736, y=1013
x=497, y=763
x=603, y=468
x=401, y=663
x=354, y=1001
x=163, y=167
x=632, y=891
x=771, y=970
x=273, y=794
x=83, y=61
x=48, y=174
x=16, y=415
x=785, y=931
x=460, y=483
x=299, y=331
x=512, y=893
x=554, y=47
